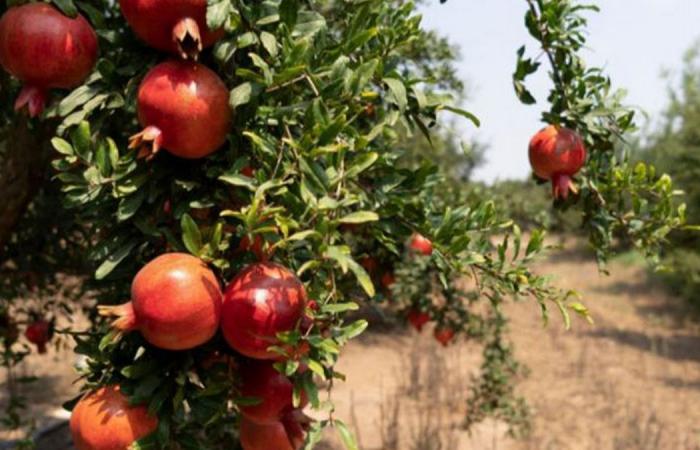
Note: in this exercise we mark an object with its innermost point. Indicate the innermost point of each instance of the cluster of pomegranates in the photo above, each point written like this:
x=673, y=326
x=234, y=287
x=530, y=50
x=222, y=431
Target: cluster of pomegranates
x=178, y=304
x=557, y=154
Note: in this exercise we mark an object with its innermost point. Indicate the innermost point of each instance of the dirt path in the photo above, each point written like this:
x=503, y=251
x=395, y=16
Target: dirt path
x=629, y=382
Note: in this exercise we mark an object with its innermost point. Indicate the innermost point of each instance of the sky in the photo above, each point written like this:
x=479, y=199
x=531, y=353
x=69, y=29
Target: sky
x=634, y=40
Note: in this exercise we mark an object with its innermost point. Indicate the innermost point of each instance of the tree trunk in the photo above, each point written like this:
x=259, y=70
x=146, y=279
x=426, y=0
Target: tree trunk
x=24, y=167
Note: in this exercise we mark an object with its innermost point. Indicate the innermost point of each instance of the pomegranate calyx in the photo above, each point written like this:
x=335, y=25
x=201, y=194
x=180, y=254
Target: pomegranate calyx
x=149, y=142
x=562, y=185
x=125, y=316
x=33, y=98
x=188, y=38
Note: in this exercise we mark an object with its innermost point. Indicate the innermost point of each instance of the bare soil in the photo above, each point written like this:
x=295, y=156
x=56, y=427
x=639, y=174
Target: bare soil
x=631, y=381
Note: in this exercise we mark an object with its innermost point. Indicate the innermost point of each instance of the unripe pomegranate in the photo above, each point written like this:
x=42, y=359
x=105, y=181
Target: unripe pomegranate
x=444, y=335
x=263, y=300
x=39, y=333
x=287, y=434
x=103, y=420
x=557, y=154
x=174, y=26
x=45, y=50
x=418, y=319
x=261, y=381
x=421, y=244
x=184, y=109
x=175, y=303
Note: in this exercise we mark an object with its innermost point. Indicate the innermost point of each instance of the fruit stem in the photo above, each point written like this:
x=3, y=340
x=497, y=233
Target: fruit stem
x=149, y=142
x=125, y=317
x=561, y=185
x=188, y=38
x=33, y=98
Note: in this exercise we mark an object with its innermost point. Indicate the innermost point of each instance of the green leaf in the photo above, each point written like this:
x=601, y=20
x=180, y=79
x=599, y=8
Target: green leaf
x=217, y=13
x=81, y=141
x=269, y=41
x=113, y=260
x=398, y=92
x=346, y=435
x=463, y=113
x=241, y=94
x=239, y=180
x=62, y=146
x=288, y=11
x=67, y=7
x=191, y=236
x=360, y=217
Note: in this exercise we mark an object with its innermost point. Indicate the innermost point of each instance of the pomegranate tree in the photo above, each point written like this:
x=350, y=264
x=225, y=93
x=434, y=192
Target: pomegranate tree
x=318, y=99
x=45, y=49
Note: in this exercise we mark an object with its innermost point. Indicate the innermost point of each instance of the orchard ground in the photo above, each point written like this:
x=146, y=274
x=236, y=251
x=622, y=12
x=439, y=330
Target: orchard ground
x=629, y=382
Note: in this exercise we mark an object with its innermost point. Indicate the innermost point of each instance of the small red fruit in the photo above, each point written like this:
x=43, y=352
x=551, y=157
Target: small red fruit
x=103, y=420
x=421, y=244
x=39, y=333
x=174, y=26
x=369, y=263
x=444, y=335
x=287, y=434
x=273, y=390
x=263, y=300
x=256, y=247
x=418, y=319
x=175, y=303
x=45, y=49
x=184, y=109
x=248, y=171
x=557, y=154
x=388, y=280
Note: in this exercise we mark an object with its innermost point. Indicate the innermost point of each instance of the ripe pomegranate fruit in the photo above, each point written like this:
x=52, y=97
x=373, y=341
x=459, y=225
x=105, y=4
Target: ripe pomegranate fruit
x=103, y=420
x=174, y=26
x=175, y=303
x=421, y=244
x=418, y=319
x=39, y=333
x=286, y=434
x=261, y=381
x=557, y=154
x=256, y=247
x=45, y=50
x=369, y=263
x=263, y=300
x=184, y=109
x=444, y=335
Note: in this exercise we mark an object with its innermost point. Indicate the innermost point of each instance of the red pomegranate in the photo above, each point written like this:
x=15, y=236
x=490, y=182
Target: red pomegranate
x=45, y=50
x=286, y=434
x=174, y=26
x=418, y=319
x=256, y=247
x=261, y=381
x=444, y=335
x=184, y=109
x=388, y=280
x=421, y=244
x=263, y=300
x=248, y=171
x=369, y=263
x=103, y=420
x=175, y=303
x=557, y=154
x=39, y=333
